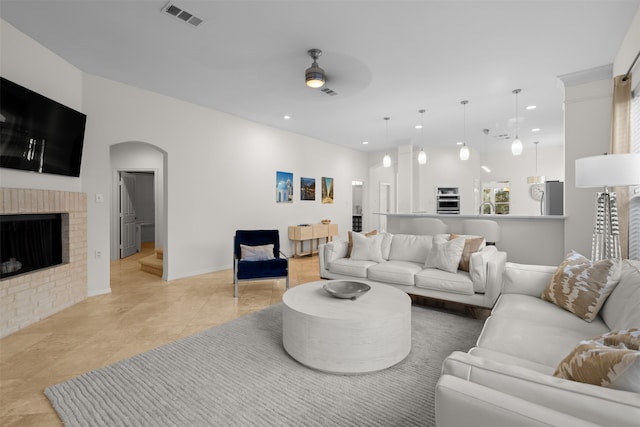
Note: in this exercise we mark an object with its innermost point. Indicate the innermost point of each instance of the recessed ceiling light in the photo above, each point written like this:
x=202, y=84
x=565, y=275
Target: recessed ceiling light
x=365, y=142
x=286, y=117
x=418, y=126
x=459, y=143
x=486, y=169
x=535, y=130
x=531, y=107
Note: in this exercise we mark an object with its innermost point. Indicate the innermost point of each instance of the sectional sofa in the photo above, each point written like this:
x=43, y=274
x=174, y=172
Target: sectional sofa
x=508, y=378
x=426, y=265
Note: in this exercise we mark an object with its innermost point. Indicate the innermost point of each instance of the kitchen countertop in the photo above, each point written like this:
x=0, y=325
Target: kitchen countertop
x=473, y=216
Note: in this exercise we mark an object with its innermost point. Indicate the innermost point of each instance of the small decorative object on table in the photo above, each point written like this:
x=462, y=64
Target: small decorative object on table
x=346, y=289
x=326, y=221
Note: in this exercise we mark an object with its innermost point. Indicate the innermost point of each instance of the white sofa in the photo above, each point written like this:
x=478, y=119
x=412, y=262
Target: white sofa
x=402, y=266
x=507, y=379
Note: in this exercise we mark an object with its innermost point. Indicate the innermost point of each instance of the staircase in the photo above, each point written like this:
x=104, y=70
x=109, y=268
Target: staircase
x=153, y=263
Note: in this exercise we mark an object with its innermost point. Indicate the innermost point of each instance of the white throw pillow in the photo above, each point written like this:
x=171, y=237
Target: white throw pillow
x=256, y=253
x=367, y=248
x=335, y=250
x=445, y=254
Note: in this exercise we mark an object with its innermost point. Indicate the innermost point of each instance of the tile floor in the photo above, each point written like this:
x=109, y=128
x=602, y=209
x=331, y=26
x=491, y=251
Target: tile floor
x=140, y=313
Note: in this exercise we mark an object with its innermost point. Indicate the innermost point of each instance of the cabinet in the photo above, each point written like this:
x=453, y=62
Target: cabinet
x=311, y=233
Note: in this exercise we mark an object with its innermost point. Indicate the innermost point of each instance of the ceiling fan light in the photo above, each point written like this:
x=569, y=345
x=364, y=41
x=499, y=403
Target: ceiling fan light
x=422, y=157
x=516, y=147
x=464, y=153
x=386, y=160
x=314, y=76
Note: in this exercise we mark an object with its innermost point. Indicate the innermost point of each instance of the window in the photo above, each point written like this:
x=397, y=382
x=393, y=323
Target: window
x=496, y=195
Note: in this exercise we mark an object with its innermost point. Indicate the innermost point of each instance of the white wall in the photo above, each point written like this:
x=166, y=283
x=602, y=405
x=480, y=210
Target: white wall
x=220, y=174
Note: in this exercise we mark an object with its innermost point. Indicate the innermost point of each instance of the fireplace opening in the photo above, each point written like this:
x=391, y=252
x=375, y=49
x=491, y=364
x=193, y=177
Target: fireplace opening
x=29, y=242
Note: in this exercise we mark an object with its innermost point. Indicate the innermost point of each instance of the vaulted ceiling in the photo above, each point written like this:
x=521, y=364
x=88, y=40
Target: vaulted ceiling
x=382, y=58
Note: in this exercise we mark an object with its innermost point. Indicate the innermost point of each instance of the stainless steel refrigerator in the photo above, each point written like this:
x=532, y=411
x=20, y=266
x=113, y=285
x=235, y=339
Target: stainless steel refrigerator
x=552, y=202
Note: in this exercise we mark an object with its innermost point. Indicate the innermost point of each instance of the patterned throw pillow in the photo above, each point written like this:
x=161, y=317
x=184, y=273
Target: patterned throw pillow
x=611, y=360
x=582, y=286
x=471, y=245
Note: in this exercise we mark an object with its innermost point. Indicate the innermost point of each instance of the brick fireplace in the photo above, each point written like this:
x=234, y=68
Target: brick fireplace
x=29, y=297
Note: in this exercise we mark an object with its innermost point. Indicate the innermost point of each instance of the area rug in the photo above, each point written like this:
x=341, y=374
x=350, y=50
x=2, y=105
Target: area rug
x=238, y=374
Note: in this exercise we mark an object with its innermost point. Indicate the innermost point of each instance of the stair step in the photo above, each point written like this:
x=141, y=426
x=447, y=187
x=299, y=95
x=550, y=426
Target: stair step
x=151, y=264
x=159, y=253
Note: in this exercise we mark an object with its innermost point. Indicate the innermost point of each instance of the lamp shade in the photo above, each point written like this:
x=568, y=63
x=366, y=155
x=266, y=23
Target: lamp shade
x=612, y=170
x=464, y=153
x=422, y=157
x=386, y=161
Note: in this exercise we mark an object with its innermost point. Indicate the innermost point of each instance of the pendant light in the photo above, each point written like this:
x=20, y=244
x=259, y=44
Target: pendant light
x=516, y=145
x=386, y=160
x=314, y=75
x=464, y=150
x=422, y=156
x=537, y=179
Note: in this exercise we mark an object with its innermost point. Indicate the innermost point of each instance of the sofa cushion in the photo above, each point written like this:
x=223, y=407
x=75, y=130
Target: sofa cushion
x=622, y=308
x=498, y=356
x=472, y=244
x=445, y=254
x=439, y=280
x=529, y=340
x=399, y=272
x=386, y=244
x=366, y=248
x=350, y=267
x=610, y=360
x=533, y=309
x=409, y=247
x=581, y=286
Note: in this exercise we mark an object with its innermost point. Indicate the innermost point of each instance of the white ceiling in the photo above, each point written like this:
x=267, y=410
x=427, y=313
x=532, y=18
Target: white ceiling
x=384, y=58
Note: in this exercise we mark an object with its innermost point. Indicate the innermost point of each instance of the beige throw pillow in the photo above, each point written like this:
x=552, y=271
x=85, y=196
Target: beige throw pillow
x=256, y=253
x=582, y=286
x=445, y=254
x=471, y=245
x=368, y=233
x=611, y=360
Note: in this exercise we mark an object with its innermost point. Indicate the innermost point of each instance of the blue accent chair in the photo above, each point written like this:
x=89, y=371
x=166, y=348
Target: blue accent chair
x=245, y=270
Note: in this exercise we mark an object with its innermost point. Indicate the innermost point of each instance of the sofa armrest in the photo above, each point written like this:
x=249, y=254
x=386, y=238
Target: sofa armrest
x=461, y=403
x=599, y=405
x=486, y=269
x=527, y=279
x=330, y=251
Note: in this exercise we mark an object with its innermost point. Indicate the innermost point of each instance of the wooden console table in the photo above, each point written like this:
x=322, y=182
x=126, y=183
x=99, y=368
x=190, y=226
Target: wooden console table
x=311, y=232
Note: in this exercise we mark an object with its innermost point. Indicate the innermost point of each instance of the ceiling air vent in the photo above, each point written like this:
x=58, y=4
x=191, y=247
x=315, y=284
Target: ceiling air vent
x=329, y=92
x=181, y=15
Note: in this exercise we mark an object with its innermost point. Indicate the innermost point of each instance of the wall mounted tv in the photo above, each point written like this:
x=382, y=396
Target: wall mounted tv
x=39, y=134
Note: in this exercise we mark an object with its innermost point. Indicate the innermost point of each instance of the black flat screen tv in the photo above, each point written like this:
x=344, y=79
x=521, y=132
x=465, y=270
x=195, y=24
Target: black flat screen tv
x=38, y=134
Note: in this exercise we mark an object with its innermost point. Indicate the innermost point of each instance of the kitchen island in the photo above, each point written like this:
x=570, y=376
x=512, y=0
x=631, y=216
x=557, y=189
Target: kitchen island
x=526, y=239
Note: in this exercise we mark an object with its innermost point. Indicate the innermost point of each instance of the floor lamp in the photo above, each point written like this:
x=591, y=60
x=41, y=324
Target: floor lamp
x=613, y=170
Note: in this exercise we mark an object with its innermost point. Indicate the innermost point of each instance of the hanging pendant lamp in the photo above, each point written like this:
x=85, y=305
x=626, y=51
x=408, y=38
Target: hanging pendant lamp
x=536, y=179
x=464, y=150
x=516, y=145
x=386, y=160
x=422, y=156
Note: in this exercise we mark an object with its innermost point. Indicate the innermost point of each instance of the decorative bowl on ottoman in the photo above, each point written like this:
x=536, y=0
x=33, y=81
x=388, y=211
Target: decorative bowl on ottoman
x=346, y=289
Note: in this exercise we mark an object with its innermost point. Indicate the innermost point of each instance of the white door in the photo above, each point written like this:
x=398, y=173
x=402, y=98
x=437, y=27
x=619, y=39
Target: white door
x=127, y=214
